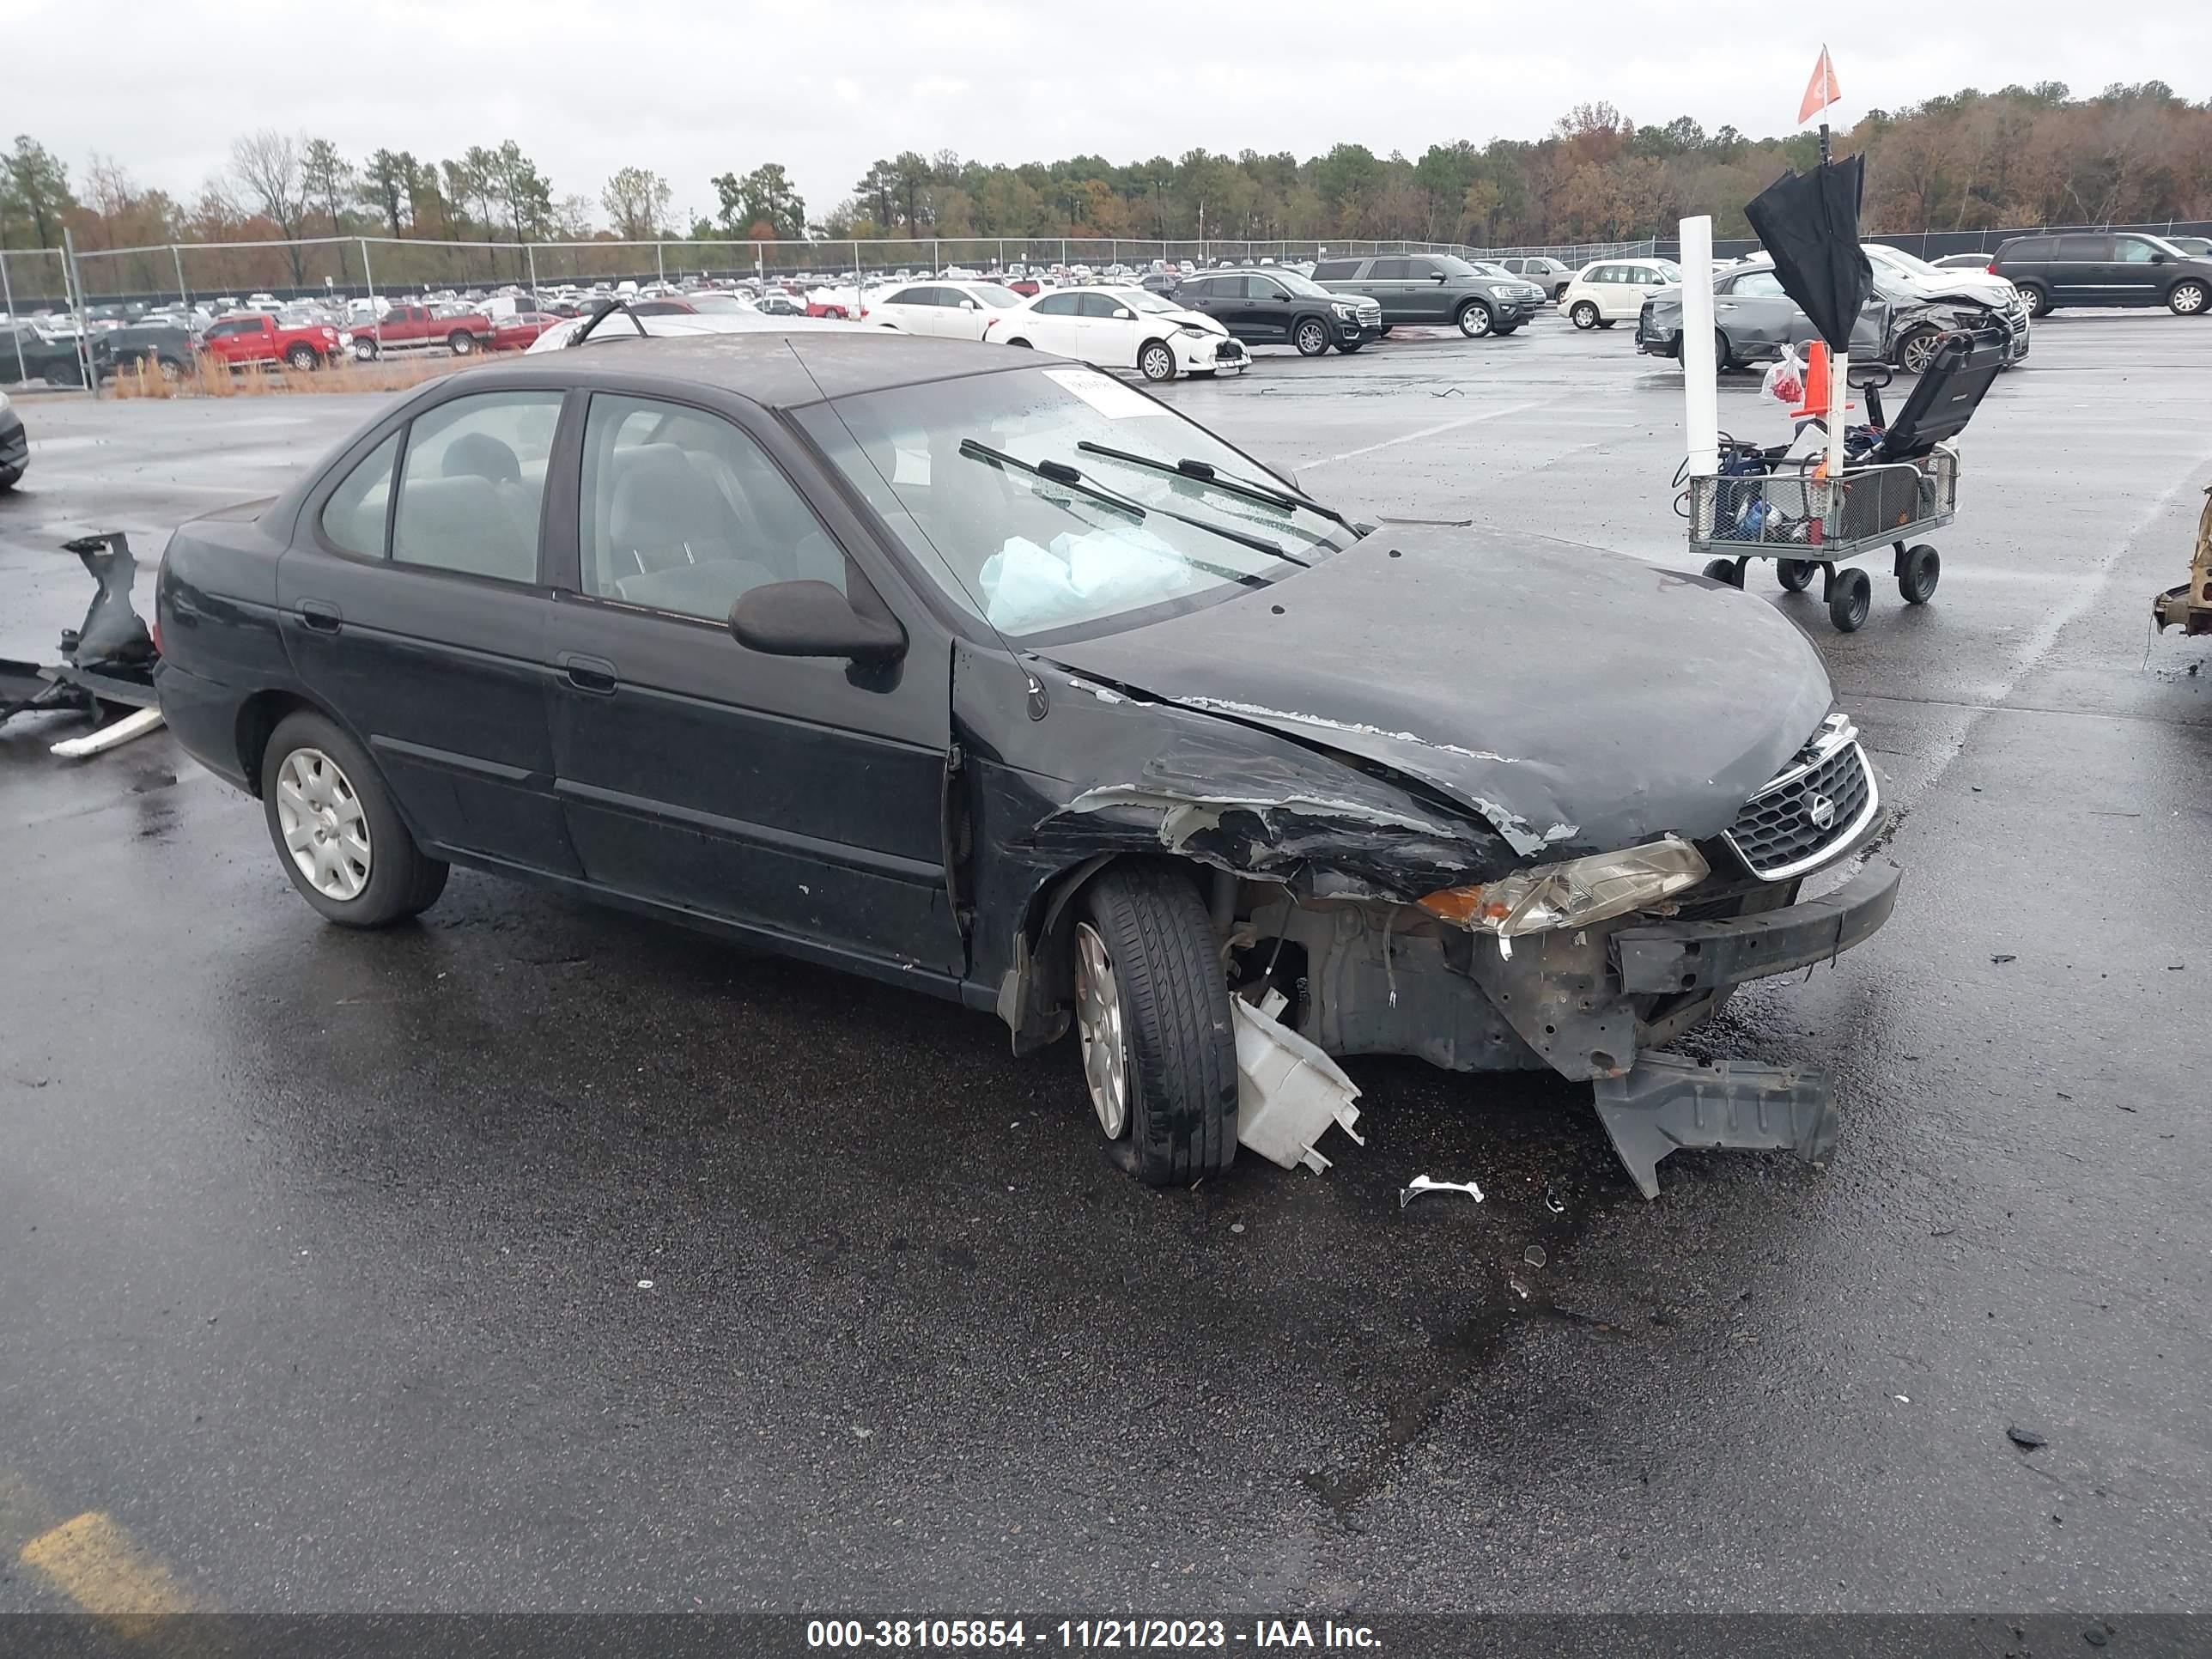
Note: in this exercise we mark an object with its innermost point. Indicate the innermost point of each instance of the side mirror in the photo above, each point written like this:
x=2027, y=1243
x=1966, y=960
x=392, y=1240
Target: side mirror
x=1435, y=276
x=1123, y=314
x=812, y=619
x=2157, y=258
x=967, y=305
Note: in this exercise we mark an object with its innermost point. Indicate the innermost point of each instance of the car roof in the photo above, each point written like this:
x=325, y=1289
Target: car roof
x=759, y=364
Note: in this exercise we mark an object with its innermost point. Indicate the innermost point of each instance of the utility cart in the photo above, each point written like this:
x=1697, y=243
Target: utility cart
x=1900, y=483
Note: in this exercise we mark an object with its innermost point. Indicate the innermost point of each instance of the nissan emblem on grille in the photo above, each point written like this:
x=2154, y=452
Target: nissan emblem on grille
x=1821, y=811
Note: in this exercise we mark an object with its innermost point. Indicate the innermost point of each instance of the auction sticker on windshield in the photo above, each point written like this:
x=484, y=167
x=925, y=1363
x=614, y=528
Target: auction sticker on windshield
x=1103, y=393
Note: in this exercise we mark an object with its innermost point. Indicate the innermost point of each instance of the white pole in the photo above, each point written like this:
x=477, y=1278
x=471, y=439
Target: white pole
x=1701, y=408
x=1839, y=366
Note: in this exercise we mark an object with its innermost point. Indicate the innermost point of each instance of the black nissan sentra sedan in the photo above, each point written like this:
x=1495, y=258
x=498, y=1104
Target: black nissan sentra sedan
x=984, y=673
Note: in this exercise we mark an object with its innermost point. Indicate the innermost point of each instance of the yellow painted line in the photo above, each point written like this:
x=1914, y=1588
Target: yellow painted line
x=95, y=1563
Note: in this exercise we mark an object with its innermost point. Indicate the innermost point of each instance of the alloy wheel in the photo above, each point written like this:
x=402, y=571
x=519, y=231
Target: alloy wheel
x=325, y=828
x=1098, y=1027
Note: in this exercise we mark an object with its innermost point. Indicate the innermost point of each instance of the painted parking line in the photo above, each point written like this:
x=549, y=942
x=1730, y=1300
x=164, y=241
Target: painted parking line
x=1410, y=437
x=97, y=1564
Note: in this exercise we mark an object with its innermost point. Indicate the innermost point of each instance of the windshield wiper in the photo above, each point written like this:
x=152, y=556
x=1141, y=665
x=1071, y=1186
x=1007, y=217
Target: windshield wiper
x=1060, y=473
x=1229, y=484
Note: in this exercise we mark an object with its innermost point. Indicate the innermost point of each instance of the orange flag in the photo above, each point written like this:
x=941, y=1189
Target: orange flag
x=1821, y=90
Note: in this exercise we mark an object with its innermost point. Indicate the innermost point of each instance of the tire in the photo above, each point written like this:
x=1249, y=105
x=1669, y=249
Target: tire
x=66, y=372
x=2187, y=297
x=169, y=369
x=1024, y=344
x=1583, y=314
x=2038, y=298
x=1918, y=572
x=9, y=477
x=1475, y=320
x=1383, y=333
x=1795, y=575
x=1725, y=570
x=1310, y=335
x=302, y=358
x=1724, y=358
x=364, y=351
x=1502, y=332
x=1849, y=598
x=1155, y=1030
x=314, y=777
x=460, y=343
x=1917, y=349
x=1156, y=358
x=1607, y=322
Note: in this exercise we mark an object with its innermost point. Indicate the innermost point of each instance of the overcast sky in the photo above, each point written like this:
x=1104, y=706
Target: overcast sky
x=690, y=90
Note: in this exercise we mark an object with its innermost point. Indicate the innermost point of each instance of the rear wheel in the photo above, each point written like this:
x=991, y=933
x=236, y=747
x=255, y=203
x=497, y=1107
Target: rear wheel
x=1153, y=1024
x=301, y=357
x=1475, y=320
x=337, y=832
x=1918, y=572
x=364, y=351
x=1583, y=314
x=2186, y=298
x=1607, y=322
x=460, y=343
x=1851, y=596
x=1156, y=360
x=1310, y=337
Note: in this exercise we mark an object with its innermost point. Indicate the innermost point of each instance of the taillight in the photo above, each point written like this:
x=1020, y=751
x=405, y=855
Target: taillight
x=1991, y=268
x=156, y=631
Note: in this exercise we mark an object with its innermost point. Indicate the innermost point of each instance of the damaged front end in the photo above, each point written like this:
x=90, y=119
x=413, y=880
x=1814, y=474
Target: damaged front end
x=1362, y=909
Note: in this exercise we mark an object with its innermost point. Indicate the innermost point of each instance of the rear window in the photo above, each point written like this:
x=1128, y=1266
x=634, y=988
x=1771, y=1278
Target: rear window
x=1336, y=271
x=2027, y=247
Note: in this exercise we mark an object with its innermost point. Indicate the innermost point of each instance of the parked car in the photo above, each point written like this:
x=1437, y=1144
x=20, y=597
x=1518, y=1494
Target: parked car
x=1909, y=283
x=28, y=354
x=2197, y=248
x=161, y=349
x=420, y=328
x=1607, y=291
x=1434, y=287
x=1964, y=262
x=1753, y=321
x=519, y=331
x=943, y=311
x=258, y=340
x=1120, y=328
x=798, y=722
x=777, y=303
x=1280, y=308
x=15, y=447
x=1542, y=270
x=722, y=301
x=2105, y=267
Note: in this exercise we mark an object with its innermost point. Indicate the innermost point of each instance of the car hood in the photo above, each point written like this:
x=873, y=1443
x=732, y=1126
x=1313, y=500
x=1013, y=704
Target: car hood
x=1579, y=700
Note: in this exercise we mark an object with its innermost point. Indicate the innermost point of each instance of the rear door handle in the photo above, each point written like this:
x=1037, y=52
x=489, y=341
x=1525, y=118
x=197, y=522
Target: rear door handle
x=593, y=674
x=321, y=615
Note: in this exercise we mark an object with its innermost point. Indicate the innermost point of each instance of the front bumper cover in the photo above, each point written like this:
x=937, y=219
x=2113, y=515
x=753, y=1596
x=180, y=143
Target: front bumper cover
x=1669, y=958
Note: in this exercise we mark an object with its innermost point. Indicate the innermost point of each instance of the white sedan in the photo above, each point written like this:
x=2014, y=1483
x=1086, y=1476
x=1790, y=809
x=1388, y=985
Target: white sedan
x=1120, y=328
x=946, y=310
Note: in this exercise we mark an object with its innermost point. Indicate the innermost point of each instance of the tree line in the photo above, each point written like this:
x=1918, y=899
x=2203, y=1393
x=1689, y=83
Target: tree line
x=2019, y=156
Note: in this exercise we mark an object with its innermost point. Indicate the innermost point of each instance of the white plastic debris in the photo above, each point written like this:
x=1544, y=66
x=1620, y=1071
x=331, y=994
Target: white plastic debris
x=1288, y=1092
x=1421, y=1184
x=108, y=737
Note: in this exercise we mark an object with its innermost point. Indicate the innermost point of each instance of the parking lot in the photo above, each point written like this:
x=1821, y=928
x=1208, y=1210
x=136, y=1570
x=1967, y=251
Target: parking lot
x=536, y=1256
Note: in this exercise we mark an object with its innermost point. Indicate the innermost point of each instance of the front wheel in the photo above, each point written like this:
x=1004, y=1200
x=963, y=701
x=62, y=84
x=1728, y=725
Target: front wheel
x=1153, y=1023
x=1583, y=314
x=1917, y=349
x=1156, y=362
x=337, y=831
x=1310, y=337
x=1851, y=596
x=1475, y=320
x=2186, y=298
x=460, y=343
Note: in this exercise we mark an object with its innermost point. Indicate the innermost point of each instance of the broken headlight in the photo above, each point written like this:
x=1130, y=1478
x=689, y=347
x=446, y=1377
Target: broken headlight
x=1574, y=893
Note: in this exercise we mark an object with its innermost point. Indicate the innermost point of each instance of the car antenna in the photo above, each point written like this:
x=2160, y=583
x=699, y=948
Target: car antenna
x=1039, y=706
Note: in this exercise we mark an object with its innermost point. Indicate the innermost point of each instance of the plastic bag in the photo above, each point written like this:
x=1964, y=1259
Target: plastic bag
x=1785, y=380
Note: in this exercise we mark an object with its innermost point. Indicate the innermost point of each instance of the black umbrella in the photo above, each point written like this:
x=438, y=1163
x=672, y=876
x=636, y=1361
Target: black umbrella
x=1809, y=221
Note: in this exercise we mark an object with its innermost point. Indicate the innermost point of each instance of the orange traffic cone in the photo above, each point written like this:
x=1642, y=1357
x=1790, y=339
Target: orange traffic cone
x=1815, y=406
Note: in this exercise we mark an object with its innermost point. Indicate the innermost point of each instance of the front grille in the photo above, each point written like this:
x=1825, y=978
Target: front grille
x=1818, y=803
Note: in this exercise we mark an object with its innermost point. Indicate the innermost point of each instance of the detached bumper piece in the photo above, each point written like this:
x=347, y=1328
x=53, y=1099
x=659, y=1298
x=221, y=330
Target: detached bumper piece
x=1675, y=957
x=1667, y=1101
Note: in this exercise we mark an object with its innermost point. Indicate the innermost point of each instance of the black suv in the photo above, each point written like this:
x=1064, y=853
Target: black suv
x=2105, y=267
x=1280, y=308
x=1436, y=287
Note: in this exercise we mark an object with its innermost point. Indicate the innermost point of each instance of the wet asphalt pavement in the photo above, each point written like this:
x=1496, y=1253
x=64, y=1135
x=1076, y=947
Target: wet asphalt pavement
x=536, y=1256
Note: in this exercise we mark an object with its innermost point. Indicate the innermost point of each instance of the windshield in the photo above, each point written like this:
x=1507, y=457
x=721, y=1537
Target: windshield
x=1668, y=271
x=1486, y=268
x=1300, y=284
x=1037, y=556
x=1142, y=299
x=1898, y=259
x=991, y=294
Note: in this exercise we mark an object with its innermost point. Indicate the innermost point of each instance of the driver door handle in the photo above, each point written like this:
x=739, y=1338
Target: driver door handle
x=593, y=674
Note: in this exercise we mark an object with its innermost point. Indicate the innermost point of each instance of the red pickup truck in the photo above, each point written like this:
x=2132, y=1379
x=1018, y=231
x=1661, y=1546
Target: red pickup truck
x=262, y=340
x=418, y=328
